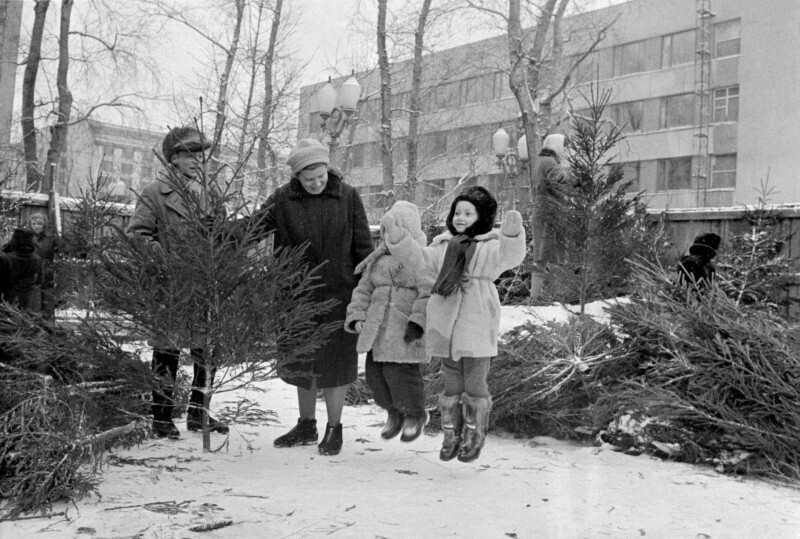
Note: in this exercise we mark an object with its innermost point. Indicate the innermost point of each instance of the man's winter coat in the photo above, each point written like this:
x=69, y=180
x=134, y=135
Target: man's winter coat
x=389, y=295
x=466, y=323
x=161, y=206
x=334, y=224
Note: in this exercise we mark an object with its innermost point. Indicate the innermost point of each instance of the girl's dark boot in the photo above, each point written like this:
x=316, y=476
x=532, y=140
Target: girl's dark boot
x=476, y=419
x=394, y=423
x=331, y=443
x=452, y=423
x=304, y=433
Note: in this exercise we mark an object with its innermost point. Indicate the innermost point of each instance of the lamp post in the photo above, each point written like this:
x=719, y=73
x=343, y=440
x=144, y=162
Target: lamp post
x=338, y=110
x=512, y=161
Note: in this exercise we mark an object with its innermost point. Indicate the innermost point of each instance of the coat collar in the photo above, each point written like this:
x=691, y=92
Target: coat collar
x=172, y=196
x=446, y=236
x=333, y=188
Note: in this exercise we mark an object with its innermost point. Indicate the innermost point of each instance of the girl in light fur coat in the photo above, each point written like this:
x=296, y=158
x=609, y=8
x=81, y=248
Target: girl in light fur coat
x=387, y=309
x=463, y=312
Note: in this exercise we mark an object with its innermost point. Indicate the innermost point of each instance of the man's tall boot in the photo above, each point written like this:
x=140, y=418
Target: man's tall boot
x=452, y=423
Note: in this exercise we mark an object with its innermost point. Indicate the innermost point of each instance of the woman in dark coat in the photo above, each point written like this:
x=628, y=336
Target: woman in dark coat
x=318, y=208
x=20, y=270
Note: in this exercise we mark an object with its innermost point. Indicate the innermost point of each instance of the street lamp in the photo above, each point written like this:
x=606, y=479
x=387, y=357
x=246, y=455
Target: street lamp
x=337, y=110
x=512, y=161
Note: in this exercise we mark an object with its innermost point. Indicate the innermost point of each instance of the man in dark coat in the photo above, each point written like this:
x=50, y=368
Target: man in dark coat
x=161, y=205
x=318, y=208
x=20, y=270
x=697, y=268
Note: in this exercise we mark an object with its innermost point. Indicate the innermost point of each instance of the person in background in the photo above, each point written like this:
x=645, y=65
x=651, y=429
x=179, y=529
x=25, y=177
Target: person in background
x=697, y=268
x=463, y=312
x=161, y=205
x=387, y=310
x=319, y=209
x=547, y=170
x=47, y=244
x=21, y=270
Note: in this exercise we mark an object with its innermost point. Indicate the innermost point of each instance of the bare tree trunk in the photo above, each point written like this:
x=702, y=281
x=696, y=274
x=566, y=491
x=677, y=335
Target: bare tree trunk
x=58, y=131
x=415, y=102
x=264, y=148
x=222, y=97
x=240, y=151
x=34, y=175
x=524, y=80
x=386, y=108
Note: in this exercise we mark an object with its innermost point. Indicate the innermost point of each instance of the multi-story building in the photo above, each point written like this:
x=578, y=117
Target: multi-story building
x=705, y=90
x=10, y=23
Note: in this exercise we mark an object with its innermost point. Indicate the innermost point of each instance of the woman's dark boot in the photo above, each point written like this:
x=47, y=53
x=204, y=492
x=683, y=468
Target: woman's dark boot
x=394, y=422
x=304, y=433
x=331, y=443
x=452, y=423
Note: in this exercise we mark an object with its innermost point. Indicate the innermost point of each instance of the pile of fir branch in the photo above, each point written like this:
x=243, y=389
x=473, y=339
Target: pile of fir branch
x=64, y=395
x=712, y=380
x=545, y=377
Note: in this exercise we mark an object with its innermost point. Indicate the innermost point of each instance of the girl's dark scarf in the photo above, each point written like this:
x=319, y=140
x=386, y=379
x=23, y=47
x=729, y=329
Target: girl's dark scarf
x=459, y=252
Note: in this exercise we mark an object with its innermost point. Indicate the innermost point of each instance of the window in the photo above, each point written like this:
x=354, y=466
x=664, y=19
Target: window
x=127, y=153
x=106, y=165
x=677, y=110
x=433, y=189
x=627, y=116
x=678, y=49
x=629, y=58
x=314, y=122
x=448, y=96
x=126, y=169
x=630, y=173
x=358, y=155
x=479, y=89
x=146, y=173
x=674, y=174
x=723, y=171
x=433, y=144
x=726, y=104
x=586, y=71
x=727, y=38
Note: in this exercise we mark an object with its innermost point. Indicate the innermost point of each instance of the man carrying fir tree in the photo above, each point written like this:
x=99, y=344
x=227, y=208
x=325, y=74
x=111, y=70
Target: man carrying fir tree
x=162, y=205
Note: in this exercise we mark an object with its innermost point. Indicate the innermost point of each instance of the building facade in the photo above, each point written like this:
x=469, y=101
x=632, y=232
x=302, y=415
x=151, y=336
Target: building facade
x=704, y=90
x=10, y=23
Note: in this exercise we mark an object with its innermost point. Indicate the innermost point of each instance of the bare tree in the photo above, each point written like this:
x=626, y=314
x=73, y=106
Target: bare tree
x=264, y=148
x=386, y=107
x=34, y=175
x=58, y=131
x=415, y=101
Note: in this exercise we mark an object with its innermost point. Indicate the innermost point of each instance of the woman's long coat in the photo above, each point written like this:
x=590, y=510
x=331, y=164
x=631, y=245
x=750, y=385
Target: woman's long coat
x=334, y=224
x=466, y=323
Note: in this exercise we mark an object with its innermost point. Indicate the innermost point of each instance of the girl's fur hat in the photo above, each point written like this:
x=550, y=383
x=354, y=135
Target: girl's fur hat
x=484, y=203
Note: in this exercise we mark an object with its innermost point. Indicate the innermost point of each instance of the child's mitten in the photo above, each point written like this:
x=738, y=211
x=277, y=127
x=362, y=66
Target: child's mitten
x=390, y=230
x=413, y=333
x=512, y=224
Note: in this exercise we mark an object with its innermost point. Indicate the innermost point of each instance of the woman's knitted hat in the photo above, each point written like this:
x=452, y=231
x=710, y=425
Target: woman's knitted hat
x=484, y=203
x=555, y=142
x=308, y=152
x=183, y=139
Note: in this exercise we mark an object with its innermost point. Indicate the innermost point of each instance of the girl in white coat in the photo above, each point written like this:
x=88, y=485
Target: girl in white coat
x=463, y=312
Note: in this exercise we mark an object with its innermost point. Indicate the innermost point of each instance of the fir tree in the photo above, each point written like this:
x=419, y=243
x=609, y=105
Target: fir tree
x=598, y=223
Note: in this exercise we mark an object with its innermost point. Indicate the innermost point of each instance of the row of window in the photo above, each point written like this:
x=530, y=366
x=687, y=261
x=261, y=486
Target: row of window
x=666, y=51
x=676, y=173
x=674, y=111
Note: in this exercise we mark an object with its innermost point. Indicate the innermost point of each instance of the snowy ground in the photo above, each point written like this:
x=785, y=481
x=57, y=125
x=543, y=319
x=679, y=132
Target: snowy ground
x=377, y=489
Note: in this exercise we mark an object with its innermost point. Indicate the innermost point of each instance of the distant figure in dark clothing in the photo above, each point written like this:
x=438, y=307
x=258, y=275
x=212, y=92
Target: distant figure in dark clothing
x=697, y=267
x=20, y=270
